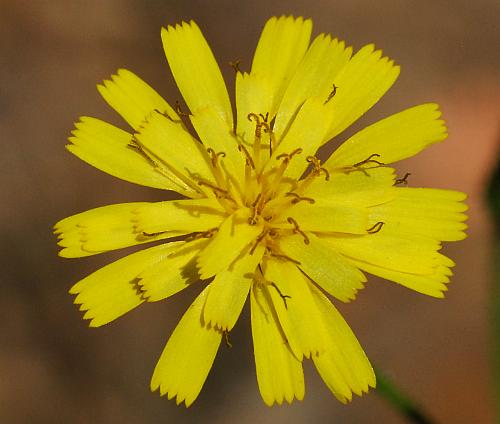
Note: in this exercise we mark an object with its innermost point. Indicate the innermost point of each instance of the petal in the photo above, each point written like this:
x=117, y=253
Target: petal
x=324, y=266
x=327, y=218
x=307, y=132
x=360, y=84
x=281, y=47
x=389, y=249
x=101, y=229
x=179, y=217
x=344, y=366
x=298, y=314
x=431, y=284
x=195, y=70
x=133, y=99
x=174, y=273
x=253, y=95
x=215, y=134
x=229, y=290
x=279, y=372
x=176, y=149
x=394, y=138
x=313, y=78
x=112, y=291
x=234, y=235
x=357, y=188
x=188, y=356
x=108, y=148
x=433, y=213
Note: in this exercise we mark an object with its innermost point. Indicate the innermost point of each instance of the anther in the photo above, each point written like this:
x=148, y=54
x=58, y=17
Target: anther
x=284, y=297
x=255, y=210
x=288, y=156
x=215, y=156
x=296, y=198
x=369, y=160
x=376, y=228
x=260, y=237
x=403, y=180
x=297, y=229
x=134, y=144
x=165, y=114
x=159, y=233
x=332, y=94
x=235, y=65
x=249, y=160
x=317, y=168
x=204, y=234
x=229, y=345
x=220, y=193
x=253, y=117
x=178, y=109
x=258, y=124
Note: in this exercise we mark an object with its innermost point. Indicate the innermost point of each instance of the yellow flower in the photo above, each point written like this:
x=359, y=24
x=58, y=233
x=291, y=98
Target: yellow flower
x=263, y=216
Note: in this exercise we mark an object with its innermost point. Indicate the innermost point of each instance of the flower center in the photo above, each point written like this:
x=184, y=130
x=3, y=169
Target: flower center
x=266, y=190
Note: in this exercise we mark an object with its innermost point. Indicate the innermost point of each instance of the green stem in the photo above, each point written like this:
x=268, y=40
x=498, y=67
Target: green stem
x=400, y=401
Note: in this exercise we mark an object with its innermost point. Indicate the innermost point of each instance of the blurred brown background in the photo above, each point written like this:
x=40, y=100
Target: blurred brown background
x=53, y=368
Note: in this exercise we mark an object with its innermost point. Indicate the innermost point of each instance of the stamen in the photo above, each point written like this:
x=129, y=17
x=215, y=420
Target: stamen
x=288, y=156
x=159, y=233
x=165, y=114
x=298, y=230
x=317, y=168
x=178, y=109
x=403, y=180
x=204, y=234
x=332, y=94
x=215, y=156
x=298, y=198
x=272, y=143
x=236, y=65
x=369, y=160
x=376, y=228
x=134, y=144
x=255, y=210
x=219, y=192
x=283, y=296
x=260, y=237
x=273, y=232
x=249, y=160
x=264, y=117
x=229, y=345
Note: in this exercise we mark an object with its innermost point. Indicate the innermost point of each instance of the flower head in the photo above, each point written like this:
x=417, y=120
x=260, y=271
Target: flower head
x=262, y=216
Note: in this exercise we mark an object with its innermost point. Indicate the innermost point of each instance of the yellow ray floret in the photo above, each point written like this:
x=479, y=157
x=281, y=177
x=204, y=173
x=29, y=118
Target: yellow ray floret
x=134, y=99
x=195, y=70
x=324, y=266
x=313, y=78
x=113, y=150
x=343, y=365
x=394, y=138
x=279, y=372
x=281, y=46
x=361, y=83
x=297, y=313
x=188, y=356
x=172, y=274
x=113, y=290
